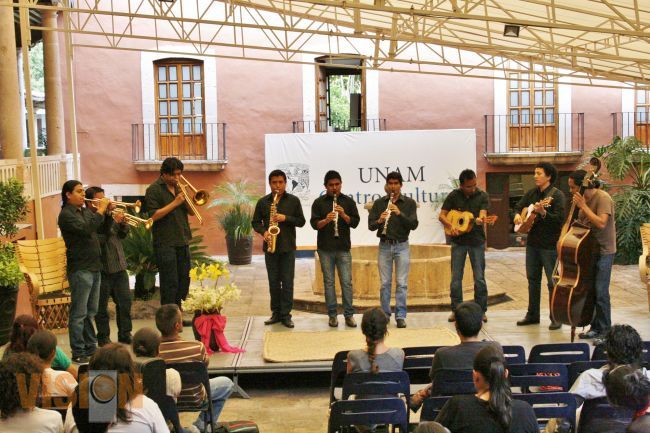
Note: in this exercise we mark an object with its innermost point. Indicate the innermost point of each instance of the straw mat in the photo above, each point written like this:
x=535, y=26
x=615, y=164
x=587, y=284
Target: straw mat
x=301, y=346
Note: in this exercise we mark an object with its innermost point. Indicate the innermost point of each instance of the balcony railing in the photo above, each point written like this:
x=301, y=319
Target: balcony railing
x=301, y=126
x=53, y=171
x=562, y=132
x=632, y=124
x=189, y=142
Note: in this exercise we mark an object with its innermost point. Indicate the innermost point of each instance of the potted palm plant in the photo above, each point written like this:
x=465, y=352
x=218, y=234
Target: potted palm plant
x=13, y=208
x=235, y=203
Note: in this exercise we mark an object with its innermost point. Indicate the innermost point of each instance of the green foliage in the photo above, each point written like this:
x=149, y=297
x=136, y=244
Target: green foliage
x=141, y=260
x=36, y=69
x=198, y=250
x=13, y=207
x=624, y=159
x=10, y=274
x=340, y=88
x=453, y=184
x=235, y=203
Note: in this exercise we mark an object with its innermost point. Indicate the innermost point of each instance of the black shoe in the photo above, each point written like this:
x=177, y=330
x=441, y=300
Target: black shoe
x=273, y=319
x=82, y=359
x=350, y=322
x=452, y=317
x=334, y=322
x=187, y=322
x=103, y=342
x=554, y=326
x=288, y=322
x=401, y=323
x=484, y=318
x=528, y=321
x=589, y=335
x=125, y=340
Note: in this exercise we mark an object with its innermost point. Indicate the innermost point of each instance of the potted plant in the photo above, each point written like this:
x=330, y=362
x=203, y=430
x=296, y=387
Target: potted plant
x=235, y=203
x=13, y=208
x=141, y=261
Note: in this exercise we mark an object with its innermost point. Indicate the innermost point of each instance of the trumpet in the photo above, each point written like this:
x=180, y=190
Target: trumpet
x=137, y=206
x=390, y=201
x=199, y=197
x=122, y=209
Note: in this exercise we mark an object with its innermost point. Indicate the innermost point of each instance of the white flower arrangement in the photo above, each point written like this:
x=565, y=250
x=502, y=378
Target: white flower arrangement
x=206, y=295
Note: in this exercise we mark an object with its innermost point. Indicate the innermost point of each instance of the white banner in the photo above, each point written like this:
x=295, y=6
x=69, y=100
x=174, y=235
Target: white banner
x=427, y=160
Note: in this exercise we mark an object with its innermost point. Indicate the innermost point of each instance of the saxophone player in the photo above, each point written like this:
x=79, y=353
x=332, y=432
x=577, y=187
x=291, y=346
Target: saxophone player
x=283, y=210
x=394, y=216
x=333, y=215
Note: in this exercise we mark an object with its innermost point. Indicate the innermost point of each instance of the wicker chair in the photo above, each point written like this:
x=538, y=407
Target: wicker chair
x=644, y=258
x=43, y=262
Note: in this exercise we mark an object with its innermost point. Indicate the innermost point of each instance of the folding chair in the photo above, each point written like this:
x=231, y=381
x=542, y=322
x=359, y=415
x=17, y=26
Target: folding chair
x=383, y=383
x=551, y=405
x=339, y=370
x=600, y=354
x=154, y=380
x=560, y=353
x=452, y=382
x=598, y=416
x=390, y=411
x=577, y=368
x=194, y=373
x=431, y=407
x=514, y=354
x=525, y=376
x=418, y=362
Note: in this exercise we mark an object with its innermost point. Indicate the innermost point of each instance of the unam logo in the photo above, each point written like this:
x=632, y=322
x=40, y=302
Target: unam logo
x=297, y=179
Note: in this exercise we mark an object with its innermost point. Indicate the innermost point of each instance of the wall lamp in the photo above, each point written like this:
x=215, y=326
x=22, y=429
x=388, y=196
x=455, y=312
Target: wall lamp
x=511, y=30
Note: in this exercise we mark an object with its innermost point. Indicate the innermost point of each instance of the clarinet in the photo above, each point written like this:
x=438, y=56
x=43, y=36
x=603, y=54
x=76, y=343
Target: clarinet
x=336, y=218
x=385, y=229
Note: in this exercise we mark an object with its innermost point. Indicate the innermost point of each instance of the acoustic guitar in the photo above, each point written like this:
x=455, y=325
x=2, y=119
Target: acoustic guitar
x=463, y=221
x=528, y=218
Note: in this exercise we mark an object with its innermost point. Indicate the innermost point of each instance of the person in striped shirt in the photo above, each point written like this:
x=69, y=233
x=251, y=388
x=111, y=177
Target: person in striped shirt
x=174, y=349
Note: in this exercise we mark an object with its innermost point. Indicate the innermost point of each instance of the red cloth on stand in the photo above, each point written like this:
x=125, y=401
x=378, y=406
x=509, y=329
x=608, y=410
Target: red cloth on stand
x=207, y=324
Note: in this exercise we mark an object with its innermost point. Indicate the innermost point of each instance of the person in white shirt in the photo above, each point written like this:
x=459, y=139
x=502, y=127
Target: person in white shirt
x=56, y=383
x=21, y=415
x=139, y=414
x=146, y=344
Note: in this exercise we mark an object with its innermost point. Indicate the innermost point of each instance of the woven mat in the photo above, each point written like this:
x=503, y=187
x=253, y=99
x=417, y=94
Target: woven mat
x=301, y=346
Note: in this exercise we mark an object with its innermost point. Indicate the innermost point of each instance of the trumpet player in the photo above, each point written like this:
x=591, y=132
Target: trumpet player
x=281, y=211
x=333, y=215
x=115, y=280
x=393, y=217
x=168, y=208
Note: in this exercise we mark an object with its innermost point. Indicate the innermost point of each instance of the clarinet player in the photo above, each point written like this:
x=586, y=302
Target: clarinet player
x=275, y=218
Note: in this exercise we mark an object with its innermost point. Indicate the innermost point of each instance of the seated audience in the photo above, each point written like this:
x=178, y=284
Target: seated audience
x=174, y=349
x=23, y=328
x=55, y=383
x=21, y=415
x=492, y=409
x=146, y=343
x=377, y=356
x=140, y=413
x=629, y=386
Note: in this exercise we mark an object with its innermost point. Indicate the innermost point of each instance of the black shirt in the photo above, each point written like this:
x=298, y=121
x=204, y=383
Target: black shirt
x=110, y=236
x=79, y=230
x=459, y=357
x=173, y=230
x=475, y=203
x=546, y=231
x=469, y=414
x=319, y=210
x=288, y=205
x=399, y=226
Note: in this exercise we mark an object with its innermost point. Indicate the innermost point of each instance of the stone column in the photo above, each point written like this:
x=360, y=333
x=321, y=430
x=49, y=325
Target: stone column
x=10, y=115
x=54, y=115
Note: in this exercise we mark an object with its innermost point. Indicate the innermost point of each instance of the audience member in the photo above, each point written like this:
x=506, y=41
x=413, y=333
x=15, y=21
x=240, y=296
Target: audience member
x=55, y=383
x=140, y=413
x=491, y=409
x=81, y=414
x=377, y=356
x=146, y=344
x=174, y=349
x=23, y=328
x=629, y=386
x=430, y=427
x=20, y=415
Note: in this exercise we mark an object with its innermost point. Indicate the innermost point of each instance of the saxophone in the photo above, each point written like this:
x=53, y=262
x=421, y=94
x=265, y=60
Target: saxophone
x=336, y=218
x=274, y=229
x=385, y=229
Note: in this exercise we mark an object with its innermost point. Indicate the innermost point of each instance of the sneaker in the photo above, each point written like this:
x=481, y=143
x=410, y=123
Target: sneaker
x=334, y=322
x=589, y=335
x=452, y=317
x=82, y=359
x=350, y=322
x=126, y=339
x=401, y=323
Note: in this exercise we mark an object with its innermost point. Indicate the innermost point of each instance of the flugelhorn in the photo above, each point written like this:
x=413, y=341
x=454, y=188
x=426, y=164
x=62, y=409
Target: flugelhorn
x=199, y=197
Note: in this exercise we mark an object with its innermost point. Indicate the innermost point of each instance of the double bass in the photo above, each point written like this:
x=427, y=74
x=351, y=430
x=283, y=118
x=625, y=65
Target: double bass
x=574, y=294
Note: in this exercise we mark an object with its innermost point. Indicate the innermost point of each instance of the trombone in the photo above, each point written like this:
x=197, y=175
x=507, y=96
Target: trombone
x=122, y=208
x=199, y=197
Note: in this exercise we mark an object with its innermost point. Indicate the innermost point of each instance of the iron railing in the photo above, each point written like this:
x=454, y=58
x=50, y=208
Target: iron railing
x=560, y=132
x=188, y=141
x=342, y=126
x=632, y=124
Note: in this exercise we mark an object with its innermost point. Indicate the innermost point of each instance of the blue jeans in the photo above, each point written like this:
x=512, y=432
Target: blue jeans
x=342, y=261
x=400, y=254
x=602, y=320
x=536, y=260
x=84, y=297
x=220, y=389
x=477, y=259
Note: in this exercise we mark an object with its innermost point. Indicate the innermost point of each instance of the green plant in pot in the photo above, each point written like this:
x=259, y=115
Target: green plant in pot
x=13, y=208
x=628, y=163
x=141, y=261
x=235, y=203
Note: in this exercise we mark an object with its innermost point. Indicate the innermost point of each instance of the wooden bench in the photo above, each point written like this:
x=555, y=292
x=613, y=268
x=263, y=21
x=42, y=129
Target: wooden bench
x=644, y=258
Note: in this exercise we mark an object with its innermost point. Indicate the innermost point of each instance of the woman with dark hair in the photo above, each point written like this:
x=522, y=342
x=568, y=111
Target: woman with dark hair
x=491, y=409
x=18, y=413
x=146, y=344
x=139, y=413
x=628, y=386
x=23, y=328
x=377, y=357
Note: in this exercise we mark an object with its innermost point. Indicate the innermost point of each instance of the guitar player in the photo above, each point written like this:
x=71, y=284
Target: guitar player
x=541, y=244
x=467, y=198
